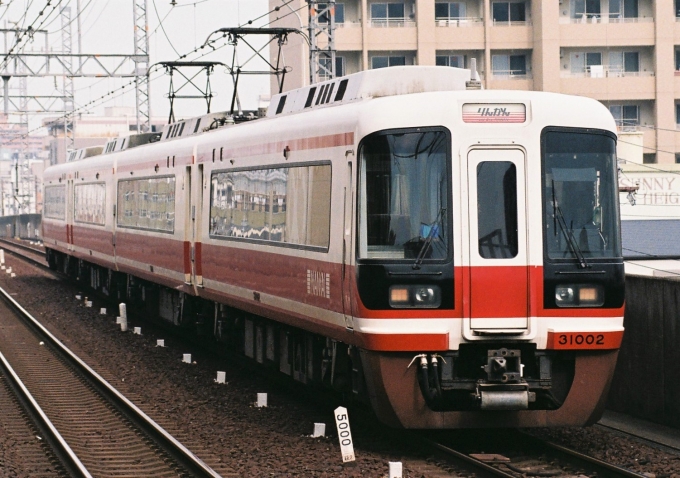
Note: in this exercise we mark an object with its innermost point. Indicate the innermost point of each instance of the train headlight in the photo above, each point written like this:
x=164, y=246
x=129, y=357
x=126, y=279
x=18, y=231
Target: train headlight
x=579, y=295
x=415, y=296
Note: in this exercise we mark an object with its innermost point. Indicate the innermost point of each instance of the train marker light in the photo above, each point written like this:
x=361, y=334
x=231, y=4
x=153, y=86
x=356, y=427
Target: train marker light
x=319, y=430
x=261, y=400
x=586, y=295
x=564, y=296
x=399, y=296
x=186, y=358
x=395, y=469
x=221, y=377
x=344, y=434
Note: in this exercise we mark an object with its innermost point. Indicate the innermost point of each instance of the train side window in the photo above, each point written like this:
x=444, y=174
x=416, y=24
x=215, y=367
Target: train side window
x=55, y=202
x=342, y=87
x=310, y=97
x=282, y=103
x=497, y=209
x=280, y=205
x=147, y=203
x=90, y=203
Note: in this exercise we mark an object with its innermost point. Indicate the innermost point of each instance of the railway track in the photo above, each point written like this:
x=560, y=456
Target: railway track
x=93, y=429
x=514, y=454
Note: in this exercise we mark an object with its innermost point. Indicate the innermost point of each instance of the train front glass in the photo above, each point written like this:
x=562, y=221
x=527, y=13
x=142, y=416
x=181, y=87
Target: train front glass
x=580, y=193
x=403, y=212
x=583, y=261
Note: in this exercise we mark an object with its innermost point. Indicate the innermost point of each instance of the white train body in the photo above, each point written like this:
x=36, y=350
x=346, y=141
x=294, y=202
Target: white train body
x=475, y=232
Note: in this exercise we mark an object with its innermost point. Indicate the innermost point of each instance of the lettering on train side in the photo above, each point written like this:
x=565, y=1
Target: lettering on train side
x=319, y=284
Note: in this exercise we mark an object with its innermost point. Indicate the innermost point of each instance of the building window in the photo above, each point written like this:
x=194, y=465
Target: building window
x=339, y=13
x=649, y=158
x=387, y=13
x=449, y=10
x=582, y=61
x=582, y=9
x=624, y=62
x=385, y=61
x=509, y=65
x=677, y=114
x=677, y=158
x=626, y=115
x=509, y=12
x=619, y=9
x=677, y=59
x=457, y=61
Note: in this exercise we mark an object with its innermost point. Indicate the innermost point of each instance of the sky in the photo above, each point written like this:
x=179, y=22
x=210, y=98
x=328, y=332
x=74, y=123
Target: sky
x=107, y=27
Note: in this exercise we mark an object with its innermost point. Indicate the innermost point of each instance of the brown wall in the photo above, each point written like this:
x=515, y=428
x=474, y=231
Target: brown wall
x=647, y=379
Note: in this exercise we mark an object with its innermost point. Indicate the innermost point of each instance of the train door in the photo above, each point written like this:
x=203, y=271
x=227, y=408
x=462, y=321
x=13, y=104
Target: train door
x=198, y=193
x=69, y=214
x=348, y=248
x=499, y=275
x=189, y=215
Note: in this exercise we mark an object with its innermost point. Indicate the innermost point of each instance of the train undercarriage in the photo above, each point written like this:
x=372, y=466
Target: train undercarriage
x=498, y=384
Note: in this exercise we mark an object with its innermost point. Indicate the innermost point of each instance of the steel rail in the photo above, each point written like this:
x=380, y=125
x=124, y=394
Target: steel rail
x=602, y=468
x=184, y=457
x=63, y=451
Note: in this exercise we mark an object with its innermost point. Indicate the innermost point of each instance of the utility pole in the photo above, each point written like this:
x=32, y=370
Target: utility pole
x=142, y=84
x=68, y=91
x=321, y=40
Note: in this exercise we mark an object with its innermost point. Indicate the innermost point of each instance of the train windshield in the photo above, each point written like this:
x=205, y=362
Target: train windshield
x=403, y=199
x=580, y=196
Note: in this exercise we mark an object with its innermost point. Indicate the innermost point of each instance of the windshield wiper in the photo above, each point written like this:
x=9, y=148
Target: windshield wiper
x=558, y=218
x=428, y=240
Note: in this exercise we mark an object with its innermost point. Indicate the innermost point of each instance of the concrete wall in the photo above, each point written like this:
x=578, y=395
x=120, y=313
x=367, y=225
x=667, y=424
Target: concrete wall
x=646, y=382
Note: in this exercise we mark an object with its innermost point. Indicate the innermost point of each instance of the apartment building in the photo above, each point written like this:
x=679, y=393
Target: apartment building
x=624, y=53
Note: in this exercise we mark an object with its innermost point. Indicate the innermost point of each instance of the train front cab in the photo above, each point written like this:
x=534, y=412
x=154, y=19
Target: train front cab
x=501, y=274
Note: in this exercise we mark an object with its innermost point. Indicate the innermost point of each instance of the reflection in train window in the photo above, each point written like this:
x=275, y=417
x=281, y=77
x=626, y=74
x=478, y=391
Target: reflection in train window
x=284, y=205
x=55, y=202
x=89, y=203
x=147, y=203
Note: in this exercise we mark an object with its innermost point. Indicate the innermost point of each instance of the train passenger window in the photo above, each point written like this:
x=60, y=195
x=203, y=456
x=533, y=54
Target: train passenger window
x=404, y=192
x=580, y=195
x=147, y=203
x=281, y=205
x=54, y=206
x=89, y=203
x=497, y=209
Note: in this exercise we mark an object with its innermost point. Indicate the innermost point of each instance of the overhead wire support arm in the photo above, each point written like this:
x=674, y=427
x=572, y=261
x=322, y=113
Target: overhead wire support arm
x=236, y=35
x=203, y=66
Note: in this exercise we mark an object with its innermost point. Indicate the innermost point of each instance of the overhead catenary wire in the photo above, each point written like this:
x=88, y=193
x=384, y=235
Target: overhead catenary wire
x=117, y=92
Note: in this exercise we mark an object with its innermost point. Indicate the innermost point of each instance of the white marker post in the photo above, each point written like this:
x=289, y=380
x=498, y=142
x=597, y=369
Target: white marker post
x=395, y=469
x=261, y=400
x=221, y=377
x=319, y=430
x=186, y=358
x=344, y=434
x=2, y=257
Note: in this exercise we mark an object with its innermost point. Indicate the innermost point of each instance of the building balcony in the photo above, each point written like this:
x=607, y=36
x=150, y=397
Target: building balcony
x=510, y=36
x=386, y=38
x=349, y=37
x=503, y=81
x=639, y=33
x=459, y=36
x=617, y=86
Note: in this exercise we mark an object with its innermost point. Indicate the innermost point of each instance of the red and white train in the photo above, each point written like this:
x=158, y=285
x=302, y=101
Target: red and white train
x=450, y=255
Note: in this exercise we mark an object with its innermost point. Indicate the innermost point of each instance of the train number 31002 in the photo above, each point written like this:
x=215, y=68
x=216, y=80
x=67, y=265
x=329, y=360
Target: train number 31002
x=584, y=340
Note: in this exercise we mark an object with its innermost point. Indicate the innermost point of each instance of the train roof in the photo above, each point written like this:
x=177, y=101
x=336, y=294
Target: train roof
x=398, y=80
